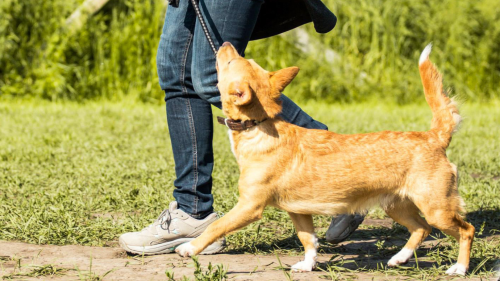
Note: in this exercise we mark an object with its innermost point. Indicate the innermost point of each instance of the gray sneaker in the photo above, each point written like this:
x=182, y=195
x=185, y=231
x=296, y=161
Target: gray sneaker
x=172, y=228
x=342, y=227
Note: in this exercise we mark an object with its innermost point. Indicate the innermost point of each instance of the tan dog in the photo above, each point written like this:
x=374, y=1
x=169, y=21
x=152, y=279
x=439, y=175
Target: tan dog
x=309, y=172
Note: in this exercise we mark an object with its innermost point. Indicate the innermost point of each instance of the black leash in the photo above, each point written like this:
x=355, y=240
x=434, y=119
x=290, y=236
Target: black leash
x=204, y=25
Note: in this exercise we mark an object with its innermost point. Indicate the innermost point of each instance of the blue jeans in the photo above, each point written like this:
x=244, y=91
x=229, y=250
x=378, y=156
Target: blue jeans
x=187, y=74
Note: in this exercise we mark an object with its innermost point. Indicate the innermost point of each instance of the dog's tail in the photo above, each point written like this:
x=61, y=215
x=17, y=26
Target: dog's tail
x=445, y=115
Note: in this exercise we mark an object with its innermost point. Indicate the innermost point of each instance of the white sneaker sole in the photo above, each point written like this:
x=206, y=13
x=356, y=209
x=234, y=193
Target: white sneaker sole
x=169, y=247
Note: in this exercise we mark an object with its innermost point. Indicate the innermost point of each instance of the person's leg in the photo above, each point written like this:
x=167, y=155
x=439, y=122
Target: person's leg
x=191, y=132
x=190, y=126
x=189, y=117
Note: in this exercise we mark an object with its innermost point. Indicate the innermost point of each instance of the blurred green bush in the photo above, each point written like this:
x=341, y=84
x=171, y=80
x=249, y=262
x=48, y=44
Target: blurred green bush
x=372, y=54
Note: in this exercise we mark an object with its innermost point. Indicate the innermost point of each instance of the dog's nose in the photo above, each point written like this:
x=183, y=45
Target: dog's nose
x=226, y=44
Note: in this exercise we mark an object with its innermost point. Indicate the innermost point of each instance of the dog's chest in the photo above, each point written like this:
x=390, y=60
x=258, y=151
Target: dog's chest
x=247, y=144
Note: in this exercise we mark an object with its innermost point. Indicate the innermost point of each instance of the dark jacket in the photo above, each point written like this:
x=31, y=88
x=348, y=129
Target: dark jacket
x=278, y=16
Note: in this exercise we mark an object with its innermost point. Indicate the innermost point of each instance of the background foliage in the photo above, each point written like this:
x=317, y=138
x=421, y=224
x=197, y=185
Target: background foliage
x=375, y=48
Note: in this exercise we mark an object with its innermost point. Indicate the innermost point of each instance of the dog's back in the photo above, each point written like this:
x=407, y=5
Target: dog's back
x=326, y=173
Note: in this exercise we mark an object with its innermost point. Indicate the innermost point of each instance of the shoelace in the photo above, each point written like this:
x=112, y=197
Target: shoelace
x=165, y=219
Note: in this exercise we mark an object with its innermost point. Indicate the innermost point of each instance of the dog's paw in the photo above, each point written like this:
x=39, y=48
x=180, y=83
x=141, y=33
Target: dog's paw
x=397, y=261
x=185, y=250
x=400, y=258
x=457, y=269
x=303, y=266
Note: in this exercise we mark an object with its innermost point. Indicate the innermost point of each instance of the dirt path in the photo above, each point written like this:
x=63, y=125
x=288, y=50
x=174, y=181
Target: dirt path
x=77, y=259
x=81, y=263
x=241, y=267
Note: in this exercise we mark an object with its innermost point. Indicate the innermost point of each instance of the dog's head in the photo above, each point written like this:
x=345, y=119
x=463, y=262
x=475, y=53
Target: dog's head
x=247, y=90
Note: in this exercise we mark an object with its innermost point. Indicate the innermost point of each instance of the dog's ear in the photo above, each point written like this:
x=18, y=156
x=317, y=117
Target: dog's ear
x=281, y=78
x=241, y=93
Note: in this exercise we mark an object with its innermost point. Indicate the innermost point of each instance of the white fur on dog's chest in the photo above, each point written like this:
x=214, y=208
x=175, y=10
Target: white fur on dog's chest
x=231, y=141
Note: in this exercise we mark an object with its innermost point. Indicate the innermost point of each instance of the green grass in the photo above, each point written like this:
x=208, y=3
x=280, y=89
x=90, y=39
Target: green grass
x=83, y=174
x=213, y=272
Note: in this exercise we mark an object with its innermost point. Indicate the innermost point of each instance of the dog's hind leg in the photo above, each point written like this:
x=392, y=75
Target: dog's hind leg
x=464, y=233
x=441, y=209
x=305, y=231
x=407, y=214
x=451, y=223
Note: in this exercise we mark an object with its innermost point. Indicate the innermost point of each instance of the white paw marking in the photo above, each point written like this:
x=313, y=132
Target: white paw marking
x=457, y=269
x=400, y=258
x=308, y=263
x=302, y=266
x=185, y=250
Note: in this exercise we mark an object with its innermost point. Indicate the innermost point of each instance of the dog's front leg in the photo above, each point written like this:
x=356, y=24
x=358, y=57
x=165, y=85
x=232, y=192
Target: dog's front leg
x=240, y=216
x=305, y=231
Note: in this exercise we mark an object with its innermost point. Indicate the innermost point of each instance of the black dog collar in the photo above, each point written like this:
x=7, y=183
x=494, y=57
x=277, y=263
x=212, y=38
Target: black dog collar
x=238, y=125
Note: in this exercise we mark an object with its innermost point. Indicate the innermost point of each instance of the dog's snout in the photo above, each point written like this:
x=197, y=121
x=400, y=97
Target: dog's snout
x=226, y=53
